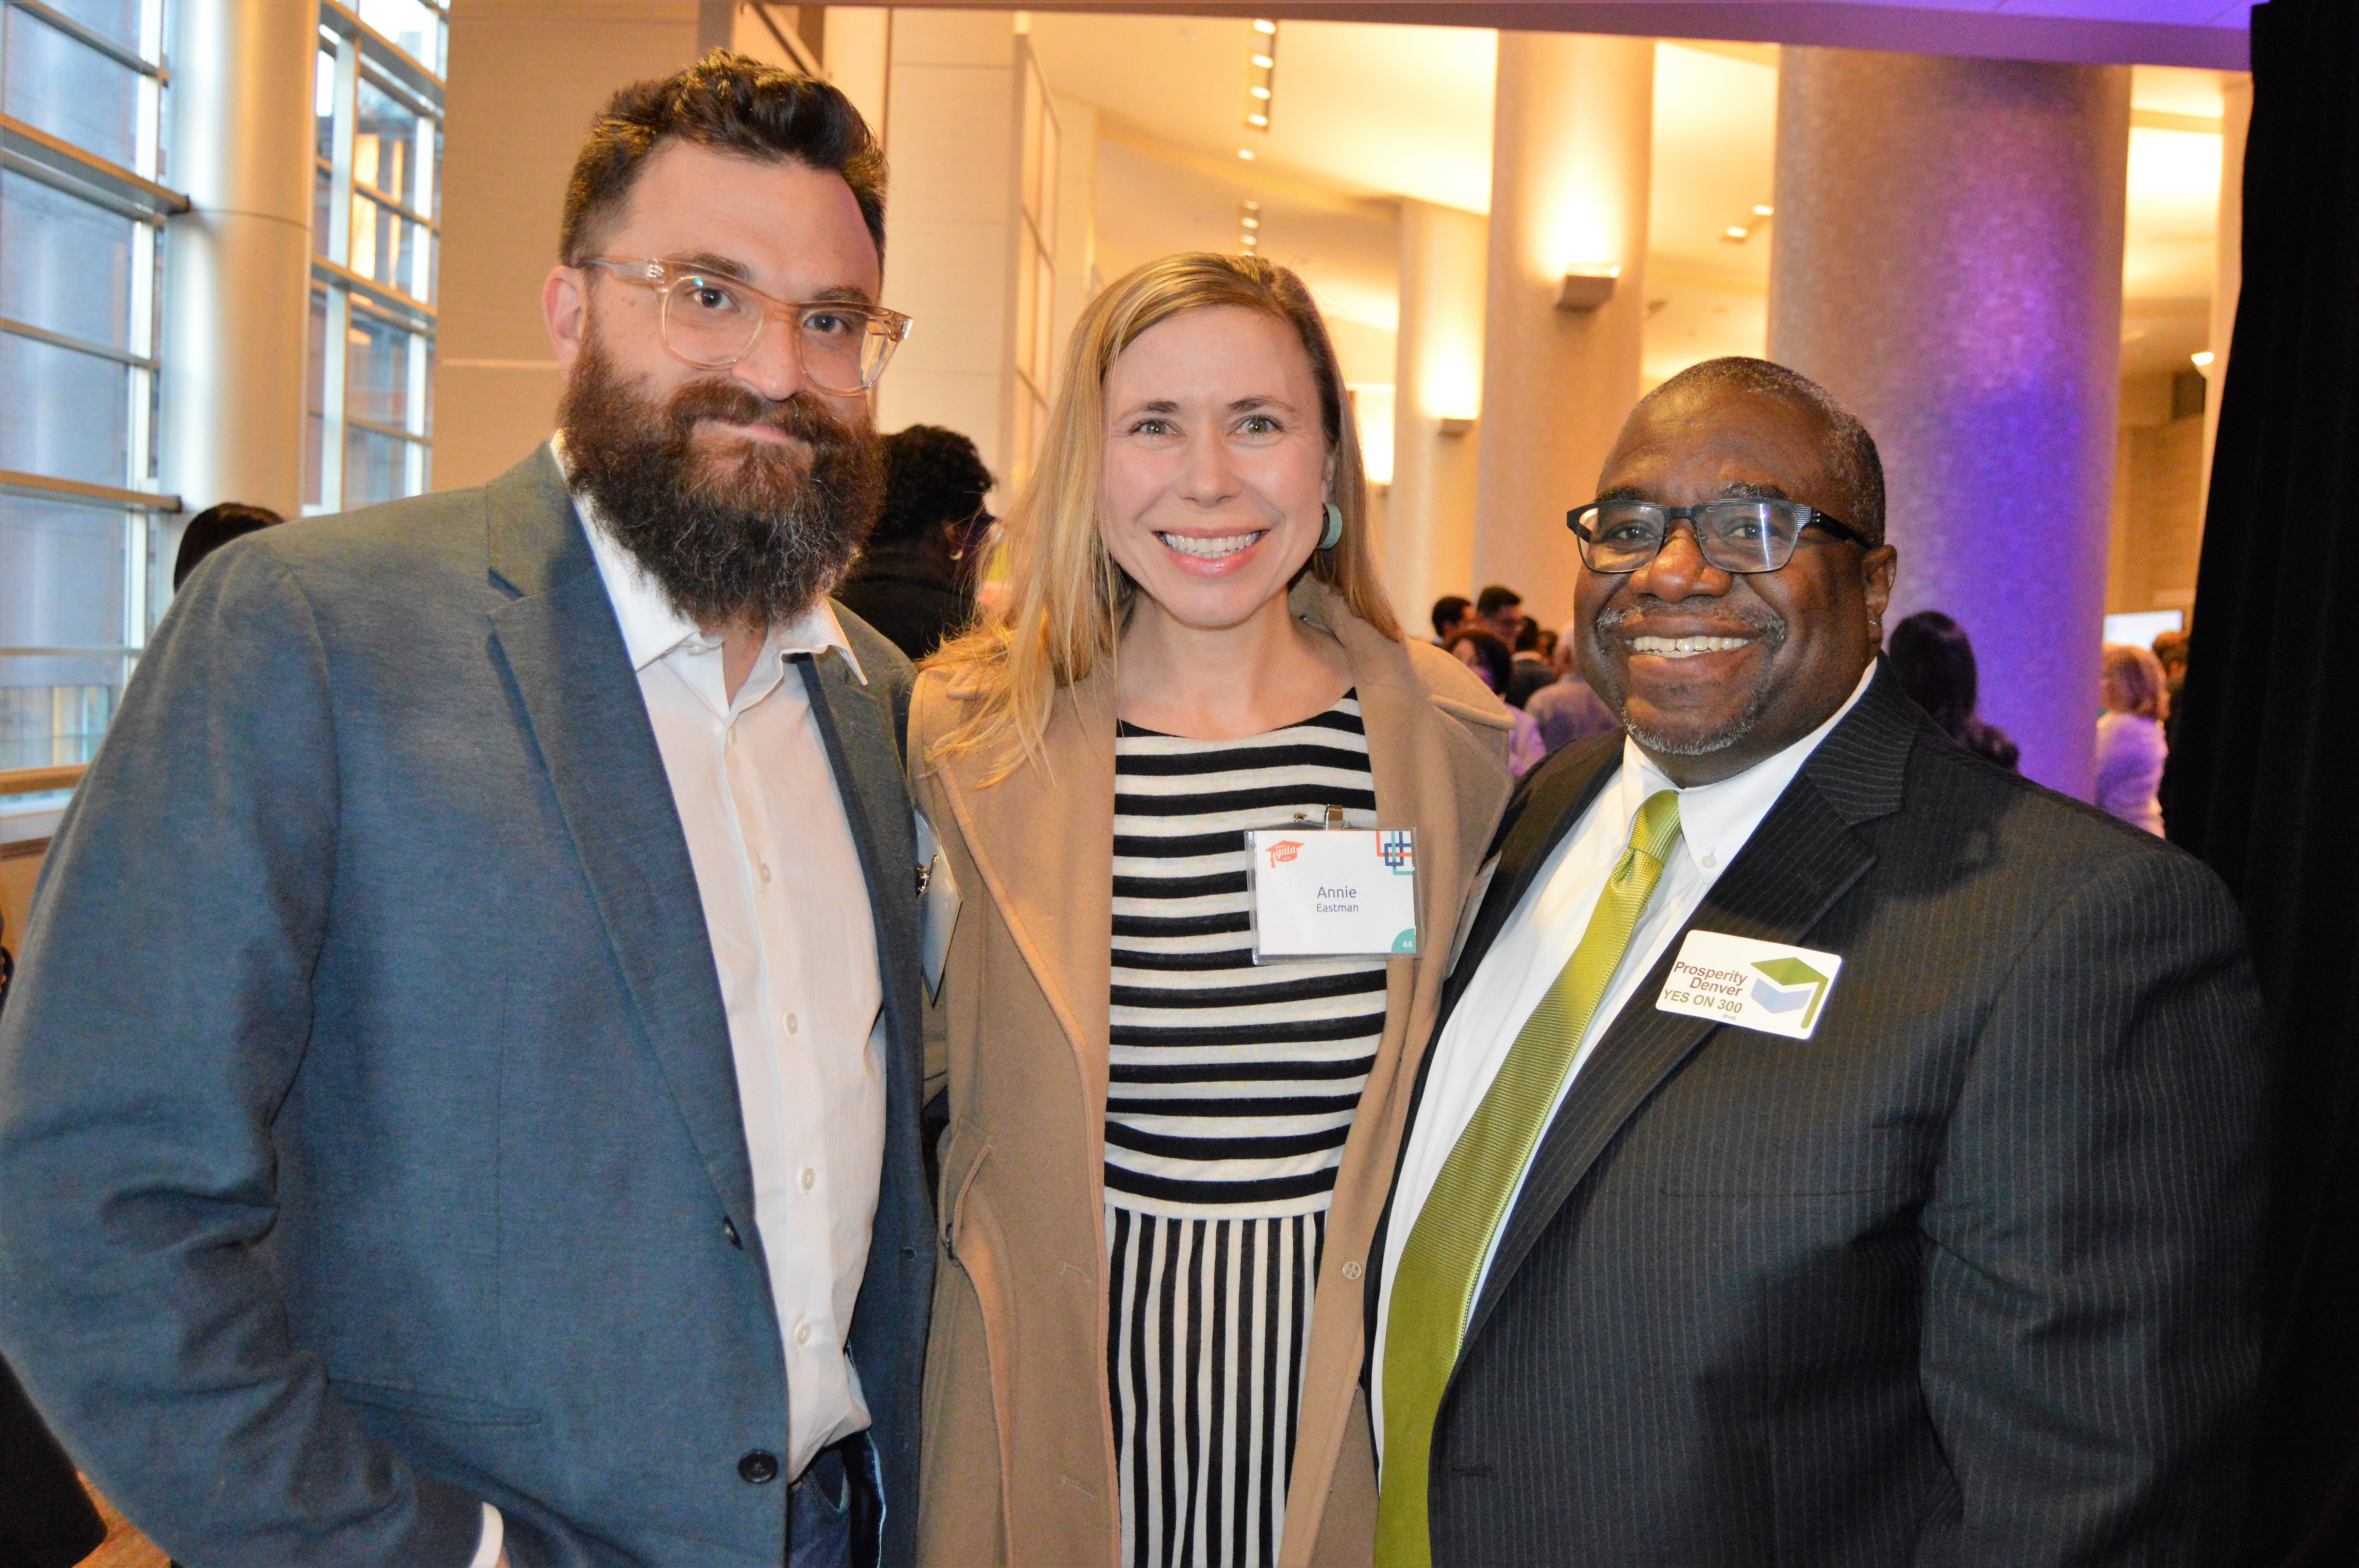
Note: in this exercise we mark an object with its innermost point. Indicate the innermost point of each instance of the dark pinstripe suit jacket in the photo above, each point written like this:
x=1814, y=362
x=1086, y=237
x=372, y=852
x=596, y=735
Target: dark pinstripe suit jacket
x=1966, y=1278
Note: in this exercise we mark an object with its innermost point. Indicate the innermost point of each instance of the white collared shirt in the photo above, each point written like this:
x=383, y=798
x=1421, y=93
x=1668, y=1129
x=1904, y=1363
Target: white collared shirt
x=1535, y=943
x=785, y=907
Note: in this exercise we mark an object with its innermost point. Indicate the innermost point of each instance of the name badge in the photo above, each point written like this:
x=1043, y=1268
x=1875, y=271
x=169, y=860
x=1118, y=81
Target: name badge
x=1331, y=892
x=1760, y=985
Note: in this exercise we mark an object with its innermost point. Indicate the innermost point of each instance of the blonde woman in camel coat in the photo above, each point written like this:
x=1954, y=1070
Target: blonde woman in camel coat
x=1192, y=572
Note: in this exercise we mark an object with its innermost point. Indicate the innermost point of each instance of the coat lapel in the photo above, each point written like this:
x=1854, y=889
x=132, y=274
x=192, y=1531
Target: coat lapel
x=1042, y=837
x=1802, y=858
x=581, y=700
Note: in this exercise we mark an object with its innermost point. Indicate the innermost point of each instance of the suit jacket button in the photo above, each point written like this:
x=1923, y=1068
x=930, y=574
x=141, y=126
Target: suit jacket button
x=758, y=1468
x=729, y=1230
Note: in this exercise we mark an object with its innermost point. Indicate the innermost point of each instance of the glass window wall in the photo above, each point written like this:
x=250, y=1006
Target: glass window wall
x=377, y=106
x=81, y=256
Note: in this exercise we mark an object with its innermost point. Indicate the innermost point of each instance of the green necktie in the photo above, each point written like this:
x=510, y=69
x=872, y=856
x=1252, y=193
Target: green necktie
x=1434, y=1288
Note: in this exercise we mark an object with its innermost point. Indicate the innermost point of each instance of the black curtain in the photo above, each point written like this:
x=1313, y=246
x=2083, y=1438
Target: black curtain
x=2266, y=785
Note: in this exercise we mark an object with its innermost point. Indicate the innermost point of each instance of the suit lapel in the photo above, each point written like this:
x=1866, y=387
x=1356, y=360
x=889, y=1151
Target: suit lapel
x=1536, y=822
x=573, y=678
x=868, y=779
x=1803, y=857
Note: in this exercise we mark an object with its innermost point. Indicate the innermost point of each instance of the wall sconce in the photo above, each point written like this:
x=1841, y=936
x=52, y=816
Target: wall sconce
x=1587, y=289
x=1455, y=424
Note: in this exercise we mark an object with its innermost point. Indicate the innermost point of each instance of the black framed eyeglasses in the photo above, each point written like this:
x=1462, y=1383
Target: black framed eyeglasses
x=1743, y=536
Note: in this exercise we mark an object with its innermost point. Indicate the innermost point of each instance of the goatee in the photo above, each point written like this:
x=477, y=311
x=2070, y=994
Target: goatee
x=734, y=532
x=1764, y=622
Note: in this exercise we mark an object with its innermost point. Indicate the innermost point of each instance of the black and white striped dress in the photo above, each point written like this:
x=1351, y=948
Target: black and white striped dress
x=1233, y=1089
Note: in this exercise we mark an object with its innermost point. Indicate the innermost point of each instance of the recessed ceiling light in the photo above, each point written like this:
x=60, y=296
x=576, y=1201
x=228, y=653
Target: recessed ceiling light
x=1257, y=121
x=1253, y=206
x=1250, y=221
x=1736, y=235
x=1246, y=152
x=1761, y=210
x=1262, y=25
x=1258, y=91
x=1264, y=61
x=2204, y=359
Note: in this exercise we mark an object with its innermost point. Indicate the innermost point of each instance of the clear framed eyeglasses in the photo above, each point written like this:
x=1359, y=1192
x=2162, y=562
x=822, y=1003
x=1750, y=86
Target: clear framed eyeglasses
x=711, y=321
x=1736, y=535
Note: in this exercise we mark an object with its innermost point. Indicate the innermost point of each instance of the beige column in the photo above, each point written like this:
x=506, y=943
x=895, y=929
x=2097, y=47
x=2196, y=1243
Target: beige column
x=1947, y=260
x=859, y=54
x=1077, y=202
x=2228, y=274
x=1572, y=144
x=951, y=137
x=526, y=77
x=1437, y=399
x=238, y=287
x=974, y=232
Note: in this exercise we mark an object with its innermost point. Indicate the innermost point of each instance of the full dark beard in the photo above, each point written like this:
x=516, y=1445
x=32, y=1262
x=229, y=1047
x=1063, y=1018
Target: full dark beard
x=750, y=533
x=1768, y=622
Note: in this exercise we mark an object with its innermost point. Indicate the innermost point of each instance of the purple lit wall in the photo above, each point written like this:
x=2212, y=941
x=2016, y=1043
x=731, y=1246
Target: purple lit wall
x=1947, y=259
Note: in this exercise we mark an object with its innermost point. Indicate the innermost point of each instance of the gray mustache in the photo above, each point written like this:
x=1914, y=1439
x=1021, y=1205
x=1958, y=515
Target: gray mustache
x=1758, y=619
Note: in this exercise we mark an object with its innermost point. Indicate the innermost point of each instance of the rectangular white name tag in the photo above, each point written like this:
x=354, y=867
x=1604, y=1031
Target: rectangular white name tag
x=1760, y=985
x=1331, y=892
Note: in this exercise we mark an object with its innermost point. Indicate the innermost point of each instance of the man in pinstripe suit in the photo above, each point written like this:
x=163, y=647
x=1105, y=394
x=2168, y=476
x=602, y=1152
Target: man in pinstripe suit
x=1960, y=1271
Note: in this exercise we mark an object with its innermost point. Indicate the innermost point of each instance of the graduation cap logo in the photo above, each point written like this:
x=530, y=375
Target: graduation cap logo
x=1790, y=984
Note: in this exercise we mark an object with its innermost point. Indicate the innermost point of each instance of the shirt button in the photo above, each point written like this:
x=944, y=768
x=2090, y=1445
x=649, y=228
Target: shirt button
x=794, y=1024
x=1350, y=1270
x=1709, y=862
x=758, y=1468
x=765, y=873
x=802, y=1333
x=809, y=1176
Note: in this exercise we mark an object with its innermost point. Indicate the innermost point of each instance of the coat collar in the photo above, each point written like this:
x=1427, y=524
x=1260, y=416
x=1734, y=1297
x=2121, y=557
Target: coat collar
x=1803, y=857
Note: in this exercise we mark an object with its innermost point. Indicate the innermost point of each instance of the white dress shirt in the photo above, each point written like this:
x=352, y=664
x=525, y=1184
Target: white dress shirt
x=1535, y=943
x=785, y=907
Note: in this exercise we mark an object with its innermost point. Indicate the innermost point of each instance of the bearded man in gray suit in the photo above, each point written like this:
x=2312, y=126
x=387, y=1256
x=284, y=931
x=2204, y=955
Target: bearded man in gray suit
x=461, y=1105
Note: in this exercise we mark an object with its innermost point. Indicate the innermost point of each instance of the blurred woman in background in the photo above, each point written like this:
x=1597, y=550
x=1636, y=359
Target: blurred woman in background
x=1165, y=1162
x=1935, y=665
x=2130, y=745
x=1494, y=665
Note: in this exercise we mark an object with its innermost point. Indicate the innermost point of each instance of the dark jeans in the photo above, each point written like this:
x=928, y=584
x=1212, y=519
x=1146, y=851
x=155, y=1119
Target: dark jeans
x=835, y=1515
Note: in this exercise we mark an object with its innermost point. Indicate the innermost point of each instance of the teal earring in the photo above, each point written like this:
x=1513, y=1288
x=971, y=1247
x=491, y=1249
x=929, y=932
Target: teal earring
x=1334, y=534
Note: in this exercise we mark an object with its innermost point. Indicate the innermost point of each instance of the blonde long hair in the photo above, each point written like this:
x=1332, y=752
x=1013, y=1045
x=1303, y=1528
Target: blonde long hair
x=1069, y=597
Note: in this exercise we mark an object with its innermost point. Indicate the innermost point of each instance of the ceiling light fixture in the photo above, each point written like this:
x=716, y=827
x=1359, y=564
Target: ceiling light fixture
x=1261, y=75
x=1736, y=233
x=1761, y=210
x=1246, y=152
x=2202, y=359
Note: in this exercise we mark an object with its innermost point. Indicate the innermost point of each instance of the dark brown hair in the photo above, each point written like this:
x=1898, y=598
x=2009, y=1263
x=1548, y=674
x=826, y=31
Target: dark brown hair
x=730, y=103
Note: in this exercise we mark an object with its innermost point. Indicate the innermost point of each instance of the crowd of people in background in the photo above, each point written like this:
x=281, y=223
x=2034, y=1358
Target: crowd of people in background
x=1526, y=666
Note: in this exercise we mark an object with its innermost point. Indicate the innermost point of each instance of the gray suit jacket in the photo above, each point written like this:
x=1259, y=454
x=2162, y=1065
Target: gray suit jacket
x=369, y=1134
x=1965, y=1278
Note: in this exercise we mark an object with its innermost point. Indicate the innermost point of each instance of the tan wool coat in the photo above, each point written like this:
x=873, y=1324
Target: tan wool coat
x=1018, y=1464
